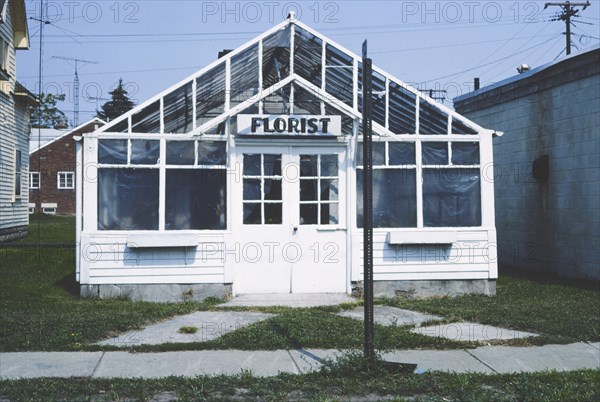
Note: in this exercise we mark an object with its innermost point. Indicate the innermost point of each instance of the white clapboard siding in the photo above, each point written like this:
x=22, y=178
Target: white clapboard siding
x=106, y=259
x=472, y=256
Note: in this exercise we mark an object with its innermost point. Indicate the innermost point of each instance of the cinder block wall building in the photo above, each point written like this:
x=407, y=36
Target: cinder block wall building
x=547, y=165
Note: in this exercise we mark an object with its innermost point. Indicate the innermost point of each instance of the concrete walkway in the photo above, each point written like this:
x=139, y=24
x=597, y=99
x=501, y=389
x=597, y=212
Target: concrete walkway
x=489, y=359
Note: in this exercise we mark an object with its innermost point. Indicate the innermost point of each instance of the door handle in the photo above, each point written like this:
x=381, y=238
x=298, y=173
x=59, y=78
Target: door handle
x=295, y=229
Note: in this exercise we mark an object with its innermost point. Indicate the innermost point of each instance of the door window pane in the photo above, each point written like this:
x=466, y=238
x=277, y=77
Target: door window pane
x=329, y=165
x=308, y=214
x=252, y=213
x=319, y=189
x=263, y=185
x=273, y=214
x=308, y=165
x=329, y=214
x=273, y=189
x=272, y=165
x=252, y=189
x=308, y=190
x=329, y=190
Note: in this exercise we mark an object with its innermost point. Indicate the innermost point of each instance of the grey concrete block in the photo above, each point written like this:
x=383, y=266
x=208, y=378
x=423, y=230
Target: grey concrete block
x=299, y=300
x=506, y=359
x=194, y=363
x=418, y=289
x=384, y=315
x=470, y=332
x=210, y=325
x=458, y=361
x=48, y=364
x=164, y=293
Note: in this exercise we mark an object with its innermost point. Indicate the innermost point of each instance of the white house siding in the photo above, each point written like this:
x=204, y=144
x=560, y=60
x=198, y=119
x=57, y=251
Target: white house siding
x=551, y=226
x=471, y=256
x=106, y=259
x=14, y=134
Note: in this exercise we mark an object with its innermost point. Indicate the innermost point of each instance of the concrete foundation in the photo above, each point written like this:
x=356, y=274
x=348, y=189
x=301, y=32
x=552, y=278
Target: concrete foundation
x=14, y=233
x=423, y=289
x=162, y=293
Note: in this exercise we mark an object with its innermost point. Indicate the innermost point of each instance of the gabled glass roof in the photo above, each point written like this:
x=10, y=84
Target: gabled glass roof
x=290, y=69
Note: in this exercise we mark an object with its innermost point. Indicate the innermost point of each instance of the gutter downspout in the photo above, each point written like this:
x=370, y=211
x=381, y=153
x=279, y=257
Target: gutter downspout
x=78, y=202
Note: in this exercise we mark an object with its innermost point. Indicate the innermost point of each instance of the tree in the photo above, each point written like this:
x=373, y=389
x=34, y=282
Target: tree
x=48, y=115
x=119, y=104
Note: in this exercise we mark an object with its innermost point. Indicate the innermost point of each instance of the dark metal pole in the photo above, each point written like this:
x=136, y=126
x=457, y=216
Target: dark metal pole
x=367, y=89
x=568, y=21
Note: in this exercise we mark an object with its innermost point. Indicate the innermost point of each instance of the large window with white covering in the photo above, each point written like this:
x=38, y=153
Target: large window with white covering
x=130, y=183
x=449, y=188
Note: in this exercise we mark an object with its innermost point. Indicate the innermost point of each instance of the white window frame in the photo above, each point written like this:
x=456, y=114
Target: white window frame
x=31, y=181
x=66, y=175
x=17, y=175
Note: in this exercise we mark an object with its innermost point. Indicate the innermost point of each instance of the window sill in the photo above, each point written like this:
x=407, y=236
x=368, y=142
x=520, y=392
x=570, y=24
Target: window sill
x=421, y=237
x=162, y=240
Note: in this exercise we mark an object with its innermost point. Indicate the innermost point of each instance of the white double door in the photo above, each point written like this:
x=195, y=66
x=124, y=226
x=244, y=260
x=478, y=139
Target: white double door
x=289, y=215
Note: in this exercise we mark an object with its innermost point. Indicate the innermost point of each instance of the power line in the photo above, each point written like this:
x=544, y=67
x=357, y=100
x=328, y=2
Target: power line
x=568, y=13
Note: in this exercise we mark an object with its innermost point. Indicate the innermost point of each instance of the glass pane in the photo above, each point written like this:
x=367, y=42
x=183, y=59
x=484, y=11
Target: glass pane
x=305, y=102
x=465, y=153
x=431, y=119
x=307, y=56
x=308, y=214
x=128, y=199
x=272, y=165
x=394, y=198
x=273, y=190
x=329, y=190
x=339, y=75
x=147, y=120
x=210, y=94
x=252, y=165
x=252, y=214
x=308, y=165
x=180, y=152
x=276, y=57
x=308, y=190
x=195, y=199
x=435, y=153
x=458, y=127
x=212, y=153
x=251, y=189
x=244, y=75
x=329, y=214
x=451, y=197
x=145, y=152
x=402, y=109
x=329, y=165
x=378, y=154
x=178, y=110
x=401, y=153
x=112, y=151
x=273, y=214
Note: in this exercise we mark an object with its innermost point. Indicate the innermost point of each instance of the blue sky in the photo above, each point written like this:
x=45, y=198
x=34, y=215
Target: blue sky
x=153, y=44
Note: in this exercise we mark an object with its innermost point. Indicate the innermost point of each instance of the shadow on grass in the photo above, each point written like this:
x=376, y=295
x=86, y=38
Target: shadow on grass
x=68, y=284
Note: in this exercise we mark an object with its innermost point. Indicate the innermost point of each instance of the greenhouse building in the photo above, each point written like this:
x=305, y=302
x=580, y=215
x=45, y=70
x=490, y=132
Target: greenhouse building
x=247, y=178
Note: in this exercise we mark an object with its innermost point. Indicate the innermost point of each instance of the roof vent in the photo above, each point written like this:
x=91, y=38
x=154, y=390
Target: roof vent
x=523, y=68
x=291, y=15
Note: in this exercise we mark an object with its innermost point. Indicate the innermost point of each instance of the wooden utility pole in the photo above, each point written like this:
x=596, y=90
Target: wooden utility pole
x=568, y=13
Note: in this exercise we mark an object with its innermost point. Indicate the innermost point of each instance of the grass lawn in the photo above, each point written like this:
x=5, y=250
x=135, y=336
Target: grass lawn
x=40, y=310
x=337, y=383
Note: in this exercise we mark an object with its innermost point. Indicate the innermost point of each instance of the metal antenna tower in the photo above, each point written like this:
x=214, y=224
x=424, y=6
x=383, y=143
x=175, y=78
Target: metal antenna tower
x=75, y=85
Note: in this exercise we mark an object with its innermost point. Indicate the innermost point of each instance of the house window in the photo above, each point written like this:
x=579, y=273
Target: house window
x=4, y=60
x=66, y=180
x=18, y=168
x=450, y=185
x=394, y=185
x=34, y=180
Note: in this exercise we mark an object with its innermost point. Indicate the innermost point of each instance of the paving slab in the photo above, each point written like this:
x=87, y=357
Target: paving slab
x=194, y=363
x=311, y=359
x=595, y=344
x=385, y=315
x=507, y=359
x=470, y=332
x=457, y=361
x=48, y=364
x=210, y=325
x=289, y=300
